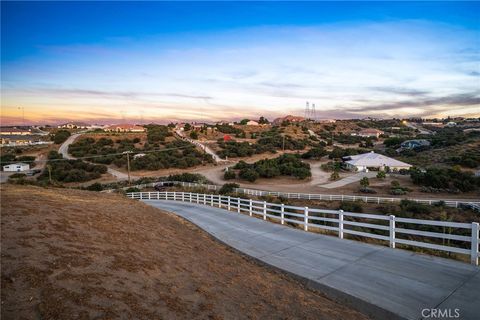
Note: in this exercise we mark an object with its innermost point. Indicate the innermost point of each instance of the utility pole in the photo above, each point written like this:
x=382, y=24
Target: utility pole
x=49, y=167
x=283, y=143
x=128, y=164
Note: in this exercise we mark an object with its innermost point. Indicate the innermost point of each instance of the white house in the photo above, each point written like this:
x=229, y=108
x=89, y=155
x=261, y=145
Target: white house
x=252, y=123
x=16, y=167
x=372, y=160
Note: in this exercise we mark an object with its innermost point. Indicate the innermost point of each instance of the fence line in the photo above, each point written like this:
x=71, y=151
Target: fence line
x=475, y=205
x=386, y=228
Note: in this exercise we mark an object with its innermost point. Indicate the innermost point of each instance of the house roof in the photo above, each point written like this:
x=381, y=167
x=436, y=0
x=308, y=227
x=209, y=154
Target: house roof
x=372, y=159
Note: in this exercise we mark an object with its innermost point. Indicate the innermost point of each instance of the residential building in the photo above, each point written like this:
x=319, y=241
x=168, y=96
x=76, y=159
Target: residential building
x=74, y=125
x=252, y=123
x=373, y=161
x=9, y=131
x=16, y=167
x=124, y=128
x=451, y=124
x=370, y=133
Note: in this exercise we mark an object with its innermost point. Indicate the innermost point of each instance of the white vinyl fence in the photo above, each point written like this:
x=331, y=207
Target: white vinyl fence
x=387, y=228
x=317, y=196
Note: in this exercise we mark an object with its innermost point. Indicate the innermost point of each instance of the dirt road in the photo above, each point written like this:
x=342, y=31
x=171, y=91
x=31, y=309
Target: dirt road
x=70, y=254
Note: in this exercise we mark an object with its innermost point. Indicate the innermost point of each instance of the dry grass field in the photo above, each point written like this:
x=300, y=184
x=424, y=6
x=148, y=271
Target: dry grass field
x=69, y=254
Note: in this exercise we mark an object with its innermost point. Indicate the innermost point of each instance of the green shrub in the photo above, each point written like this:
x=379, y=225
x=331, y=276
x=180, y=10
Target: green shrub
x=248, y=174
x=95, y=187
x=17, y=175
x=350, y=206
x=132, y=189
x=334, y=176
x=230, y=174
x=228, y=188
x=364, y=182
x=381, y=175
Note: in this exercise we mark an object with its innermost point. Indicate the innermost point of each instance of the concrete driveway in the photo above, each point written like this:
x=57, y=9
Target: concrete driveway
x=383, y=283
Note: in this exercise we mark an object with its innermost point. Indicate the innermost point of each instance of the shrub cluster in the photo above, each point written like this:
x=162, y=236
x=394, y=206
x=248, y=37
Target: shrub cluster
x=284, y=165
x=445, y=178
x=61, y=136
x=71, y=170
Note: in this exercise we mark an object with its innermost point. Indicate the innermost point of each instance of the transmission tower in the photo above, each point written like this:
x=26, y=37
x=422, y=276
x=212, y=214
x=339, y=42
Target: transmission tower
x=307, y=110
x=313, y=114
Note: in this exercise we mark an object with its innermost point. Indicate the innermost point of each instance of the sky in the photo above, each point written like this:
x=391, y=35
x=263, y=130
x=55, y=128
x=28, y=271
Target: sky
x=142, y=62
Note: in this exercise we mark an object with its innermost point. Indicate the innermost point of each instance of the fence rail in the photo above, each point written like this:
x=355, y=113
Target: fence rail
x=386, y=228
x=475, y=205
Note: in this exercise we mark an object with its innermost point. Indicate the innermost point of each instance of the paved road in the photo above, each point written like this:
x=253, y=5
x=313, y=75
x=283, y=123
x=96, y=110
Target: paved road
x=64, y=151
x=381, y=282
x=347, y=180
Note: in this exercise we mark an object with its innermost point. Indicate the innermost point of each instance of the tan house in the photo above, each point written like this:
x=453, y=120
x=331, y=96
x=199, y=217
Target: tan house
x=370, y=133
x=14, y=131
x=124, y=128
x=74, y=125
x=252, y=123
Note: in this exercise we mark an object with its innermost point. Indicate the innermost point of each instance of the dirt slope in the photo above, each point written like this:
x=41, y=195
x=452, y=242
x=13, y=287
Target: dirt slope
x=70, y=254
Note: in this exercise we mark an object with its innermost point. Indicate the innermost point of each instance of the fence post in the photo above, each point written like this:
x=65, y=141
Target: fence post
x=264, y=210
x=183, y=196
x=211, y=200
x=220, y=201
x=340, y=224
x=228, y=203
x=190, y=196
x=282, y=214
x=474, y=242
x=238, y=205
x=149, y=196
x=305, y=219
x=141, y=195
x=250, y=208
x=392, y=231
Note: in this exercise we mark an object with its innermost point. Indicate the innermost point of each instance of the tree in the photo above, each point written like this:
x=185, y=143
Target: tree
x=334, y=176
x=187, y=127
x=364, y=182
x=263, y=120
x=244, y=121
x=381, y=175
x=194, y=135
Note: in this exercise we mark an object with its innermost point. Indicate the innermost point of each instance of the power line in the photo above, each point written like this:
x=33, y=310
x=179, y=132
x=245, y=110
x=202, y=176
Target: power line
x=103, y=155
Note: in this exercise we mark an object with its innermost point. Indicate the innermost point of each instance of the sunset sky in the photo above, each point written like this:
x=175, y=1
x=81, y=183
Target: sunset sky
x=105, y=62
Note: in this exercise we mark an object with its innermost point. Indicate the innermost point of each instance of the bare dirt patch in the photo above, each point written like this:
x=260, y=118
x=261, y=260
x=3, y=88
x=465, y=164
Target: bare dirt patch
x=69, y=254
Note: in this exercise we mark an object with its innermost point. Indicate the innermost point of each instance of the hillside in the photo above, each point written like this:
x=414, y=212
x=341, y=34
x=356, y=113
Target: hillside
x=70, y=254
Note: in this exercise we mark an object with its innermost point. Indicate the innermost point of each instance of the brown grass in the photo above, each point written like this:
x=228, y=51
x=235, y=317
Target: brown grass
x=70, y=254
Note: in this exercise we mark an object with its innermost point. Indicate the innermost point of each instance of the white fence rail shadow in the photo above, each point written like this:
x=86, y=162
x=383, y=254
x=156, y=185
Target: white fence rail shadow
x=475, y=205
x=386, y=228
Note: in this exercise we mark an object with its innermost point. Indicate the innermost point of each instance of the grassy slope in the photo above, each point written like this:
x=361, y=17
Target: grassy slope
x=70, y=254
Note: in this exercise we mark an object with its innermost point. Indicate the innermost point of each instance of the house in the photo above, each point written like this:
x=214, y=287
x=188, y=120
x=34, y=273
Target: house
x=14, y=131
x=371, y=160
x=16, y=167
x=252, y=123
x=74, y=125
x=451, y=124
x=289, y=118
x=413, y=144
x=124, y=128
x=370, y=133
